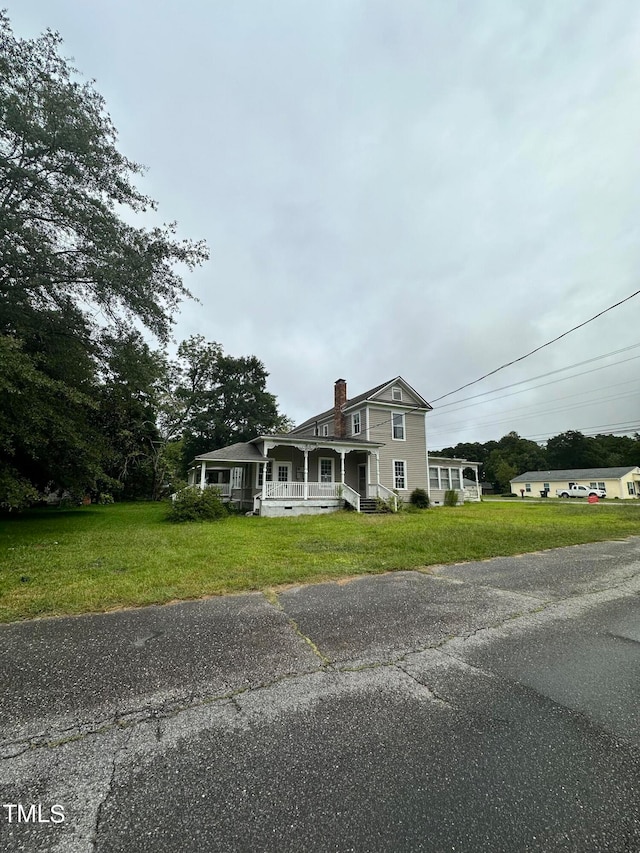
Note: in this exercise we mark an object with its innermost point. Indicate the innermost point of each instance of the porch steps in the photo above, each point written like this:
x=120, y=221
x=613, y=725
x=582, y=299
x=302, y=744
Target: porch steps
x=370, y=506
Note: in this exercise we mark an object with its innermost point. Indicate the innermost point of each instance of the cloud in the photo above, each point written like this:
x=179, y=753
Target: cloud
x=419, y=189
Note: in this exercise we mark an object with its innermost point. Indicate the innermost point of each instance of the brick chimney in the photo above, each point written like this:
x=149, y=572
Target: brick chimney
x=340, y=397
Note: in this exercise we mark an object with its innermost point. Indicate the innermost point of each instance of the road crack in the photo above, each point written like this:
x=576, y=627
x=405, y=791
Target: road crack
x=114, y=766
x=273, y=599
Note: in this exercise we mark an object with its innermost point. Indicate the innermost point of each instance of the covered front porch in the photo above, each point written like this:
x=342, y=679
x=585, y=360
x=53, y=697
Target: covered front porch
x=300, y=476
x=282, y=475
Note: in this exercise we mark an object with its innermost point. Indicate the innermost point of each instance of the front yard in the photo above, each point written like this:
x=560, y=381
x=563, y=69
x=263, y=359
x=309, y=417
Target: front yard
x=98, y=558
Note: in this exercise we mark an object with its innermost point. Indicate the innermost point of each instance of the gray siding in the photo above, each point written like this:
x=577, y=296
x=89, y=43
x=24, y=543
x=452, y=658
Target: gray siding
x=349, y=433
x=407, y=399
x=412, y=450
x=437, y=496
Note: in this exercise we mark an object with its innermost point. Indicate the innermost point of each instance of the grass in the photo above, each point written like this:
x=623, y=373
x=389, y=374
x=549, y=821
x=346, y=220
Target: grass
x=92, y=559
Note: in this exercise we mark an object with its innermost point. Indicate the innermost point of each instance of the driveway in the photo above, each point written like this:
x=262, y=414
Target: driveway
x=490, y=706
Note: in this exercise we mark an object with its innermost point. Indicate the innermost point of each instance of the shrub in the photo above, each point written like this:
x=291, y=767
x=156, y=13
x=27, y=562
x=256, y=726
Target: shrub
x=194, y=504
x=451, y=497
x=420, y=498
x=384, y=506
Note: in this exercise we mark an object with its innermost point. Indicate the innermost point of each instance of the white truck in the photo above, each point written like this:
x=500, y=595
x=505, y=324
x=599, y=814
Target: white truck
x=574, y=490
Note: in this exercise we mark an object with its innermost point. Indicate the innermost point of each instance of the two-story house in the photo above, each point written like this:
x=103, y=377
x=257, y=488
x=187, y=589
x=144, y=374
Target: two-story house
x=372, y=446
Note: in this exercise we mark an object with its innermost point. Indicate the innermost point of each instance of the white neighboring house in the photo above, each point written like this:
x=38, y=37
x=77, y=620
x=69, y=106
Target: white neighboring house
x=622, y=482
x=372, y=446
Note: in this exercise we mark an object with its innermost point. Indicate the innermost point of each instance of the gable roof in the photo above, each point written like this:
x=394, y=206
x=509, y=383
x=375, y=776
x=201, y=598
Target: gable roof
x=575, y=474
x=361, y=398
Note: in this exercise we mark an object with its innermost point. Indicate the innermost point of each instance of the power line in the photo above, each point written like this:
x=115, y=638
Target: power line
x=537, y=414
x=537, y=349
x=623, y=428
x=553, y=382
x=537, y=405
x=540, y=376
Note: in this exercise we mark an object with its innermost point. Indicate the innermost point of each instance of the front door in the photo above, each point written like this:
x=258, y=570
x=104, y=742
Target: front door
x=362, y=479
x=282, y=472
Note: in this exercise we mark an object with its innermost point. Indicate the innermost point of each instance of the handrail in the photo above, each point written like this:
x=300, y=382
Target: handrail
x=351, y=496
x=388, y=494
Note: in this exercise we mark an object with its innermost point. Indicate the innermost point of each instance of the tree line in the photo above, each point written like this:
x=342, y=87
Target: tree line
x=87, y=404
x=503, y=460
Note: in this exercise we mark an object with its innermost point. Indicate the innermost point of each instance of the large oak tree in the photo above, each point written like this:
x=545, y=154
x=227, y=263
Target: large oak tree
x=75, y=273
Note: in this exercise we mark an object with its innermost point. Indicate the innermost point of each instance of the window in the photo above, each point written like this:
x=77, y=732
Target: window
x=455, y=478
x=527, y=487
x=398, y=426
x=237, y=478
x=399, y=474
x=325, y=429
x=593, y=485
x=217, y=477
x=601, y=485
x=445, y=480
x=434, y=482
x=269, y=473
x=355, y=418
x=283, y=473
x=396, y=394
x=326, y=470
x=546, y=486
x=630, y=488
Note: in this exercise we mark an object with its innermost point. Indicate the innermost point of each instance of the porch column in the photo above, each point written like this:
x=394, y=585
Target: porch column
x=305, y=492
x=377, y=467
x=462, y=484
x=203, y=475
x=264, y=480
x=342, y=466
x=477, y=485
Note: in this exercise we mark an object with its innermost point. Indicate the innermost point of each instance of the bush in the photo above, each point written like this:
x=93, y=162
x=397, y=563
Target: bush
x=451, y=497
x=419, y=498
x=194, y=504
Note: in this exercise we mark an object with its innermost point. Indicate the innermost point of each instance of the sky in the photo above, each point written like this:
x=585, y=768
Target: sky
x=393, y=187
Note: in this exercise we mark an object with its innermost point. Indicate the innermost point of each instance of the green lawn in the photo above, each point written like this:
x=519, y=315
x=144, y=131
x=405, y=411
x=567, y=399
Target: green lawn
x=99, y=558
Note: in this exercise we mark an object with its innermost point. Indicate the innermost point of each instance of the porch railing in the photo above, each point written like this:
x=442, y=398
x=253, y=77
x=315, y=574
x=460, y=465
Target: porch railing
x=351, y=496
x=223, y=488
x=296, y=490
x=377, y=490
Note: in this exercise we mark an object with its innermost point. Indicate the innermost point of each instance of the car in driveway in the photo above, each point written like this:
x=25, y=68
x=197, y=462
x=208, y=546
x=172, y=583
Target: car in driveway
x=575, y=490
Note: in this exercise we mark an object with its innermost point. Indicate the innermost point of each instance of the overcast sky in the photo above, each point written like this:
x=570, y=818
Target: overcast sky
x=428, y=189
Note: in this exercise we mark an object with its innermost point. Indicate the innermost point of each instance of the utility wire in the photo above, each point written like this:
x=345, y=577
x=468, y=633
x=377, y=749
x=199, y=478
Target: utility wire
x=623, y=427
x=553, y=382
x=537, y=405
x=524, y=390
x=537, y=414
x=540, y=376
x=537, y=349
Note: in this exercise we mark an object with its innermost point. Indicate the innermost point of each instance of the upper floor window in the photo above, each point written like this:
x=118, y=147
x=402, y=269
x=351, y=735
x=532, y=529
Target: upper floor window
x=325, y=429
x=355, y=418
x=398, y=426
x=396, y=394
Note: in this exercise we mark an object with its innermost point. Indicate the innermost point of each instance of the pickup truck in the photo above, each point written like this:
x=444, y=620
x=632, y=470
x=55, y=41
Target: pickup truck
x=578, y=491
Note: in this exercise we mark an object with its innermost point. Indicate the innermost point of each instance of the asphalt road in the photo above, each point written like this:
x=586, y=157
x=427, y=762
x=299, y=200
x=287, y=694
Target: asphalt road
x=491, y=706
